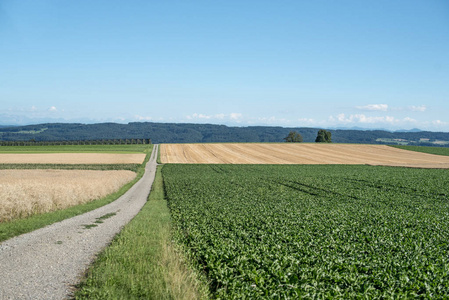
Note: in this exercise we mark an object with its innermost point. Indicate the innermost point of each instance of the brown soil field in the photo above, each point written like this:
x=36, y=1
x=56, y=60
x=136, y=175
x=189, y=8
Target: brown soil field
x=302, y=153
x=71, y=158
x=27, y=192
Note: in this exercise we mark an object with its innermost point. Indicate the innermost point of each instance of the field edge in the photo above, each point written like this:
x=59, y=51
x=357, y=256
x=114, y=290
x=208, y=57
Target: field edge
x=143, y=261
x=21, y=226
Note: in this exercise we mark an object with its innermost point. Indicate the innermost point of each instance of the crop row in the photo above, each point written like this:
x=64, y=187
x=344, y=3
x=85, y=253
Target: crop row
x=314, y=231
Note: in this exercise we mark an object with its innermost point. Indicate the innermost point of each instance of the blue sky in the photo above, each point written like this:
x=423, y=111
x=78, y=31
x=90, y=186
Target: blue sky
x=348, y=63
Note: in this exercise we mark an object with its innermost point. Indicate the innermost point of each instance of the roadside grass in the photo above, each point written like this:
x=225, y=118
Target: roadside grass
x=134, y=148
x=142, y=262
x=21, y=226
x=158, y=158
x=425, y=149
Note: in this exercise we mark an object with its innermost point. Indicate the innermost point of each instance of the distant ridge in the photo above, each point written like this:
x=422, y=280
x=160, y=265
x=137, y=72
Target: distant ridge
x=210, y=133
x=411, y=130
x=376, y=129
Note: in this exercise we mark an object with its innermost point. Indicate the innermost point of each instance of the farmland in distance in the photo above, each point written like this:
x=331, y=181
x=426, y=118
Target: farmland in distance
x=73, y=154
x=71, y=158
x=288, y=153
x=40, y=179
x=314, y=231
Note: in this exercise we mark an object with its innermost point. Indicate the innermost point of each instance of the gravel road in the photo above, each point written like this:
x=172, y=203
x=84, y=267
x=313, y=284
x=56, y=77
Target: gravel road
x=46, y=263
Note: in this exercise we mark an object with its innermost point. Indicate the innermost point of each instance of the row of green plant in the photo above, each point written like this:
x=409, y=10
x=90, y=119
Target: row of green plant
x=313, y=231
x=17, y=227
x=142, y=262
x=135, y=148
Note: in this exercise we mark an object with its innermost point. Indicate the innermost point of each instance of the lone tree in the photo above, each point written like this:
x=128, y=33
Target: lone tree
x=324, y=136
x=293, y=137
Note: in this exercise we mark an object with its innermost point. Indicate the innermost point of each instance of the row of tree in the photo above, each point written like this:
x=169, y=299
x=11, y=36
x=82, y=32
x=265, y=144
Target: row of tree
x=77, y=142
x=323, y=136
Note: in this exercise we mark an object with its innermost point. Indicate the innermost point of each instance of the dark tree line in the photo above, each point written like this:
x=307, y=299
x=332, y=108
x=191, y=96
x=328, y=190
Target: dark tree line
x=198, y=133
x=76, y=142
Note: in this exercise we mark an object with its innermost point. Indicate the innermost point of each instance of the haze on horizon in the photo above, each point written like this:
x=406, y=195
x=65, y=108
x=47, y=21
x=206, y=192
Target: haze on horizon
x=368, y=64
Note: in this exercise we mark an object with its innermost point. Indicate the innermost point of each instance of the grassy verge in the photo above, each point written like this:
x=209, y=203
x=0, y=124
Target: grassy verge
x=158, y=159
x=142, y=262
x=17, y=227
x=425, y=149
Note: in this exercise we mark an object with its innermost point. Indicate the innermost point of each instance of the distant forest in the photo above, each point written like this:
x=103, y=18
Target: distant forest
x=208, y=133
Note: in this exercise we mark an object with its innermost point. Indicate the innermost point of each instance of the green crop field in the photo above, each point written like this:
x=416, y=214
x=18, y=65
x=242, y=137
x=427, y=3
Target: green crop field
x=313, y=231
x=426, y=149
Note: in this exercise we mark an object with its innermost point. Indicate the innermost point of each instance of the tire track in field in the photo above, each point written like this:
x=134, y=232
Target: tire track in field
x=301, y=153
x=48, y=262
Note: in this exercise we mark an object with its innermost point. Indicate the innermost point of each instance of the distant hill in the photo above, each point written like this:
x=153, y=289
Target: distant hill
x=208, y=133
x=410, y=130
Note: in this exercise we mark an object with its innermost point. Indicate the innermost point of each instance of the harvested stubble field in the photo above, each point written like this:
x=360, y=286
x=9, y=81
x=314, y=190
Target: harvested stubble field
x=298, y=154
x=71, y=158
x=28, y=192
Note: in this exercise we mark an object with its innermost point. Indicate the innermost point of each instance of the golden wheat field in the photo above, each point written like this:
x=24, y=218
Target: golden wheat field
x=27, y=192
x=71, y=158
x=298, y=154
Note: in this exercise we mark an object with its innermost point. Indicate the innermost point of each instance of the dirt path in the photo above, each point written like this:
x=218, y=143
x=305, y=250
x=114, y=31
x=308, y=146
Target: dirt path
x=46, y=263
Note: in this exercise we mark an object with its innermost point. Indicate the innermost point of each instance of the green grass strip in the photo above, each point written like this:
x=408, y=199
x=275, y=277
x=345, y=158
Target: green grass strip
x=142, y=262
x=21, y=226
x=425, y=149
x=158, y=158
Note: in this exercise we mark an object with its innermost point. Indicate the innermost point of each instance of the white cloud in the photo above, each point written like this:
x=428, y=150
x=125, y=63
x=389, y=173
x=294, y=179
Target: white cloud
x=439, y=123
x=221, y=116
x=374, y=107
x=410, y=120
x=140, y=118
x=421, y=108
x=272, y=120
x=53, y=108
x=235, y=116
x=414, y=108
x=268, y=119
x=198, y=116
x=201, y=116
x=363, y=119
x=307, y=121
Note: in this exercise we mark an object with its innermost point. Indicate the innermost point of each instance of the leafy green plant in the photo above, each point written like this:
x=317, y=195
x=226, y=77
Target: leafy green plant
x=313, y=231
